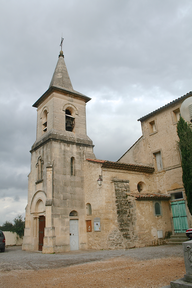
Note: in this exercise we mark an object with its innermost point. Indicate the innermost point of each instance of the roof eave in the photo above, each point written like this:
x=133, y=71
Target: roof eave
x=148, y=197
x=61, y=90
x=165, y=106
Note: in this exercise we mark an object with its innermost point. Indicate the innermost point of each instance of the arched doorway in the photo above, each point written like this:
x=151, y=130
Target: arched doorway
x=38, y=219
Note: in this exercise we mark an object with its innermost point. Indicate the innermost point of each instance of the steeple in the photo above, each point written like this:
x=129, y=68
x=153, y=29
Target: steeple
x=60, y=77
x=61, y=82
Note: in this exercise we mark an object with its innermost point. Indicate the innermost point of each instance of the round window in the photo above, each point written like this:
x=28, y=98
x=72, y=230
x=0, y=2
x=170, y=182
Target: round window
x=140, y=186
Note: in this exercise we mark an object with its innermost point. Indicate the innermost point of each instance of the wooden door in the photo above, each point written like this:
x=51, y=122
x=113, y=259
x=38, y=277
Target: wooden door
x=74, y=235
x=41, y=231
x=179, y=216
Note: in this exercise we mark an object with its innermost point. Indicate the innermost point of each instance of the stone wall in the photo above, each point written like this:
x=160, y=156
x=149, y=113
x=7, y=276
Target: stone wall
x=12, y=239
x=149, y=225
x=123, y=237
x=163, y=139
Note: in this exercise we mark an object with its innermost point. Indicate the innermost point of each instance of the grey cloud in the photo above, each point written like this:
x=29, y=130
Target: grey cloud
x=130, y=57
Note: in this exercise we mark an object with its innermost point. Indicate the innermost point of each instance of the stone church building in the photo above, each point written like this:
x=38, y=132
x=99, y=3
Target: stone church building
x=76, y=201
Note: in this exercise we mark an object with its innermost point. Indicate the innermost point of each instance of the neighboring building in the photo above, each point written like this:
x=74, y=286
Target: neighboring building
x=76, y=201
x=158, y=147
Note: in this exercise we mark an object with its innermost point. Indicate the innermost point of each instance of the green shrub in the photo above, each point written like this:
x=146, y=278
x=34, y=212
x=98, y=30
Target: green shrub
x=17, y=227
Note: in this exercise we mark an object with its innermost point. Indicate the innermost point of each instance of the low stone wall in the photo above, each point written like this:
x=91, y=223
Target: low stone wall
x=12, y=239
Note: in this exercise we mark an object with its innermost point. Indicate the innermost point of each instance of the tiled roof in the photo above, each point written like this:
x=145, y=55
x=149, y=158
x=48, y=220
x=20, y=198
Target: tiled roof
x=123, y=166
x=165, y=106
x=95, y=160
x=153, y=196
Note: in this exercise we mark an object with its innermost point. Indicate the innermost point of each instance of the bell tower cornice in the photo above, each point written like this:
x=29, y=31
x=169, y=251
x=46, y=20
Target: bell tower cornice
x=73, y=94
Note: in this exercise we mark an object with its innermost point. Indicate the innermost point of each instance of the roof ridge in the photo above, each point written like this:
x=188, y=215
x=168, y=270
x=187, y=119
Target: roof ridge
x=131, y=147
x=165, y=106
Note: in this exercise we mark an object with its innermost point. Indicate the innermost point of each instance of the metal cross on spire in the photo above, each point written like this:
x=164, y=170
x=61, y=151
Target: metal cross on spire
x=61, y=44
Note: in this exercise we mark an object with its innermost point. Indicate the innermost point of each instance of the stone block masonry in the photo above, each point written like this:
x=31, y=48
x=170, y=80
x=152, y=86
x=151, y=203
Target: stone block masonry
x=126, y=216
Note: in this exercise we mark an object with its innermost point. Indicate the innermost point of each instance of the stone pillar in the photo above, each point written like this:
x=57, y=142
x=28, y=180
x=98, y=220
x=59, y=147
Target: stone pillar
x=27, y=245
x=187, y=249
x=185, y=282
x=49, y=237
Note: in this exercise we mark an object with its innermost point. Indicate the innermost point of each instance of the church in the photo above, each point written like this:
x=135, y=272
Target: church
x=78, y=202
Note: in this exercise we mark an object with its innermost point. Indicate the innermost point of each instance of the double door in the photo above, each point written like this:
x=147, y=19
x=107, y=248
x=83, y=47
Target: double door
x=179, y=216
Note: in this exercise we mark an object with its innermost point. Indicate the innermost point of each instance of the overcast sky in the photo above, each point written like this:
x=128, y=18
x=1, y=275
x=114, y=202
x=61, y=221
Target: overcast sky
x=129, y=56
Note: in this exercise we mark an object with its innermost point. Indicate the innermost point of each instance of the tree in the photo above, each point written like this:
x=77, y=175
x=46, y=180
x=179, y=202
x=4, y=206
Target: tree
x=17, y=227
x=185, y=143
x=7, y=226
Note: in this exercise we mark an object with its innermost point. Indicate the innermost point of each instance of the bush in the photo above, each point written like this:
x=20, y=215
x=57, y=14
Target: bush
x=18, y=226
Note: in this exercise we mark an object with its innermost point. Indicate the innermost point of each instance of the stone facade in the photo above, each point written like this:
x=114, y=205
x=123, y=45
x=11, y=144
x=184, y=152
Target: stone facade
x=158, y=147
x=68, y=209
x=56, y=180
x=127, y=216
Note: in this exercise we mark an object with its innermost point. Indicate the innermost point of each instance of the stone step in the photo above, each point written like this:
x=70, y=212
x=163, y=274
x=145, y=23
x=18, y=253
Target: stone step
x=175, y=243
x=179, y=235
x=177, y=239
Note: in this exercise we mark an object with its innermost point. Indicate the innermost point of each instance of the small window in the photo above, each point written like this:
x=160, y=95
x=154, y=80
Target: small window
x=88, y=209
x=39, y=167
x=177, y=195
x=157, y=209
x=140, y=186
x=158, y=161
x=69, y=121
x=72, y=166
x=152, y=127
x=73, y=213
x=44, y=121
x=176, y=115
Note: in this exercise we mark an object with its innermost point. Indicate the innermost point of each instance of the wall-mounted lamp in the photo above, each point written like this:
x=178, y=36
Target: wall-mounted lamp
x=99, y=181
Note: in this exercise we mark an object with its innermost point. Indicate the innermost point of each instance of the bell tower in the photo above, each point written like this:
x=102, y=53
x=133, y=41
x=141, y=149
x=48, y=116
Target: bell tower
x=56, y=181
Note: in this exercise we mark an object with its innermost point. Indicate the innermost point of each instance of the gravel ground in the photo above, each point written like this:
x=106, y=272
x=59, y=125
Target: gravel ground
x=138, y=267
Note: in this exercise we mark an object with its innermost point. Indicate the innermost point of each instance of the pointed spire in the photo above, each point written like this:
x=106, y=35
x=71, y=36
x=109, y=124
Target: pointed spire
x=61, y=81
x=60, y=77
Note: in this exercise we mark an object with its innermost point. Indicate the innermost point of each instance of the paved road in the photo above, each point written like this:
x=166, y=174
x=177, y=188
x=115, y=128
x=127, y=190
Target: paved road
x=15, y=259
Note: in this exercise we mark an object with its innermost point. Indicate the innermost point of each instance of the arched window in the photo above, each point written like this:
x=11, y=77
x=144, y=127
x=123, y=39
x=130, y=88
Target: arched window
x=72, y=166
x=44, y=121
x=73, y=213
x=69, y=120
x=88, y=209
x=157, y=209
x=39, y=167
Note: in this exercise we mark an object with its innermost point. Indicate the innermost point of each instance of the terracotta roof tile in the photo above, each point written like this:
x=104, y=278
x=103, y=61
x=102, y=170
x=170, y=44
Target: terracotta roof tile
x=165, y=106
x=128, y=167
x=95, y=160
x=123, y=166
x=153, y=196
